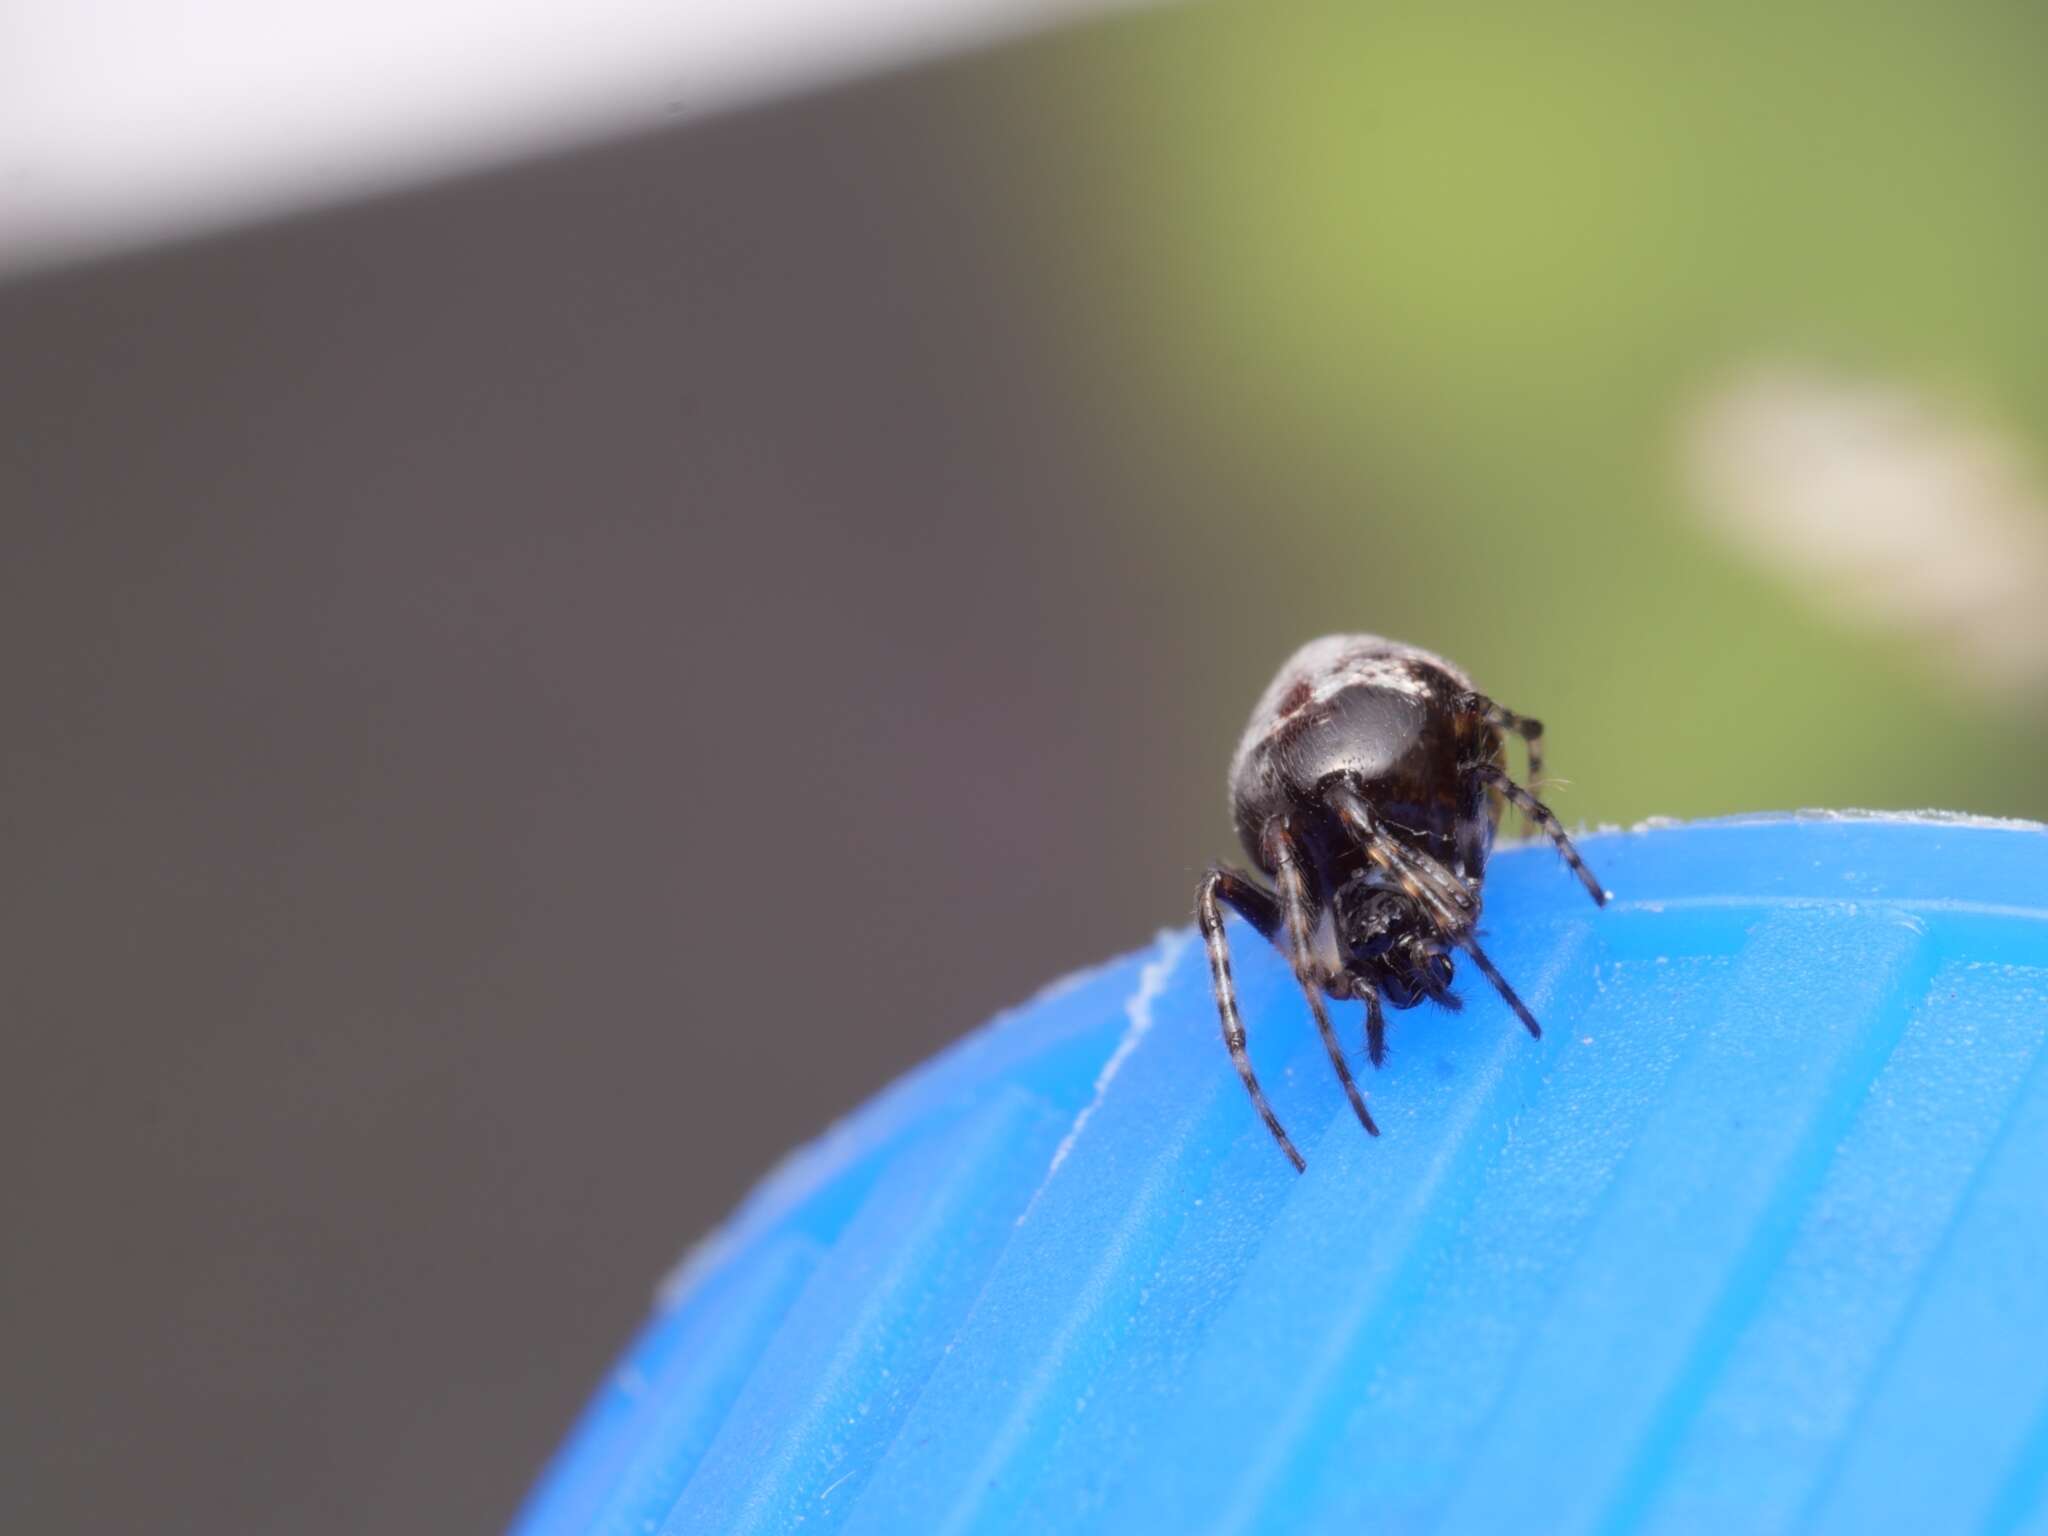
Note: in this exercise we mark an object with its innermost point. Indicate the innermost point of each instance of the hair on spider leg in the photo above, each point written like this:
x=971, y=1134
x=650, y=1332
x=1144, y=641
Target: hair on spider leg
x=1368, y=787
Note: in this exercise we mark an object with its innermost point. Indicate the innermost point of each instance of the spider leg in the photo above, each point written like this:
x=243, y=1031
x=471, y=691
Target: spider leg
x=1256, y=905
x=1375, y=1027
x=1435, y=889
x=1544, y=817
x=1527, y=727
x=1298, y=908
x=1500, y=985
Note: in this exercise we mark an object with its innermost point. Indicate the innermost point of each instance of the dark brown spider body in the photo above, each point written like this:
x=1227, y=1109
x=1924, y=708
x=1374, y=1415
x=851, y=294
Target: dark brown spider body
x=1386, y=718
x=1367, y=787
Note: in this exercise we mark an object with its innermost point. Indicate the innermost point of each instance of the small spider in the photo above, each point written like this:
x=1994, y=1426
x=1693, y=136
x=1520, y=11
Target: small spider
x=1367, y=787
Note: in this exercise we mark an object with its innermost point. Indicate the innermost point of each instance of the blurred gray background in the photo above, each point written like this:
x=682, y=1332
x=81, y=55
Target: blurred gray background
x=525, y=701
x=526, y=698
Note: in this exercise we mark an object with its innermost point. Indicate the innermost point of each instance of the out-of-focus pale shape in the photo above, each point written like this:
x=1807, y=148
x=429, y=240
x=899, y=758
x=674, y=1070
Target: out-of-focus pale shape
x=1888, y=511
x=123, y=121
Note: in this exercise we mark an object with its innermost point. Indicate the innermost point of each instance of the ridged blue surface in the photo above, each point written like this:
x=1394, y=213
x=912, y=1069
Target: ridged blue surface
x=1755, y=1239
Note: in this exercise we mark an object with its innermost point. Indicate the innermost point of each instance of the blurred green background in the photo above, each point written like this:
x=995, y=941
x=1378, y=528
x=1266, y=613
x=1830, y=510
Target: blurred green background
x=1431, y=301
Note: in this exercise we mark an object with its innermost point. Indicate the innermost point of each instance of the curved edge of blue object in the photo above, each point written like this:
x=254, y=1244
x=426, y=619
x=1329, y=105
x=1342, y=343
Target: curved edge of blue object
x=1752, y=1237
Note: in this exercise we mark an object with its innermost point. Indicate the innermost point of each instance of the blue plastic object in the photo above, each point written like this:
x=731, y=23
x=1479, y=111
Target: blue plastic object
x=1755, y=1239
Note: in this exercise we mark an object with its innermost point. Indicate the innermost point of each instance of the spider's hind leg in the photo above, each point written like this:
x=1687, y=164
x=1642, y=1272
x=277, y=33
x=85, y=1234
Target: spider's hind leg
x=1544, y=817
x=1528, y=727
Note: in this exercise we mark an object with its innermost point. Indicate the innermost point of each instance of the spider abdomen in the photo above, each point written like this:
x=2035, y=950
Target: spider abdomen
x=1383, y=718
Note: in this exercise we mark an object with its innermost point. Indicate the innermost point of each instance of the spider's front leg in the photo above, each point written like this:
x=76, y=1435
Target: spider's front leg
x=1500, y=984
x=1450, y=907
x=1221, y=887
x=1435, y=889
x=1375, y=1027
x=1298, y=908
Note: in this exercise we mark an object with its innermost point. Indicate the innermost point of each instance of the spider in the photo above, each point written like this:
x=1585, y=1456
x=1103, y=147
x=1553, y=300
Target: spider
x=1367, y=787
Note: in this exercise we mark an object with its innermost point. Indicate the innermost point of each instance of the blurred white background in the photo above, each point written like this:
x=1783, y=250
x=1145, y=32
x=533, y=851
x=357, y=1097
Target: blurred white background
x=124, y=121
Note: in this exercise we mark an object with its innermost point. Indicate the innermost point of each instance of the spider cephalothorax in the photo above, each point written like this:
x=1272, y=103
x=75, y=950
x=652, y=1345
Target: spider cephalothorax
x=1386, y=945
x=1367, y=787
